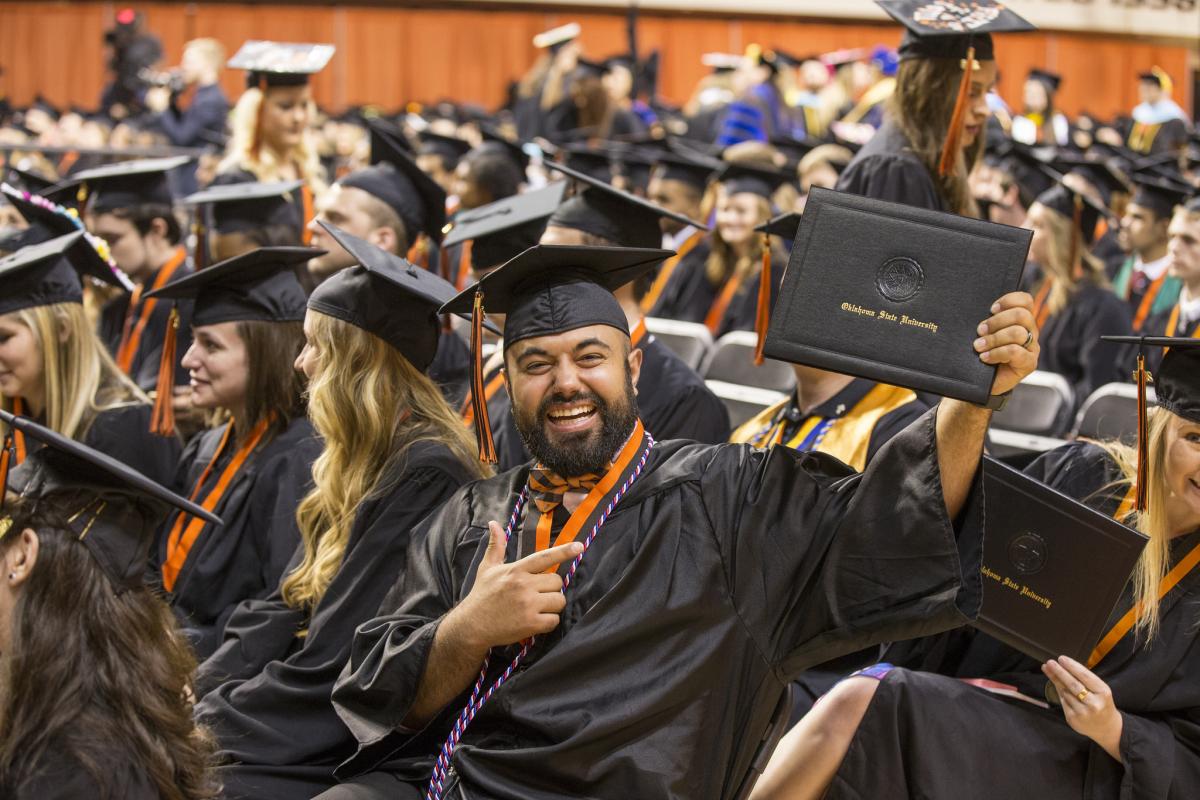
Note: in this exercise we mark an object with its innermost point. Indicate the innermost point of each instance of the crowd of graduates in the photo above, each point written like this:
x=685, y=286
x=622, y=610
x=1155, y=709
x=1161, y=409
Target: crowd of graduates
x=310, y=420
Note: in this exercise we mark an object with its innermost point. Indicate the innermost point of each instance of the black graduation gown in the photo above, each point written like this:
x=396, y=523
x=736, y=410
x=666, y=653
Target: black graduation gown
x=886, y=168
x=62, y=776
x=724, y=571
x=245, y=557
x=144, y=369
x=672, y=399
x=742, y=312
x=124, y=433
x=1109, y=251
x=265, y=692
x=1032, y=752
x=677, y=300
x=451, y=368
x=1071, y=345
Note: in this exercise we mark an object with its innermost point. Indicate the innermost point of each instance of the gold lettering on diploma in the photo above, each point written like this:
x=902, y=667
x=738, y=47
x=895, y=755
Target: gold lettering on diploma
x=1019, y=588
x=887, y=316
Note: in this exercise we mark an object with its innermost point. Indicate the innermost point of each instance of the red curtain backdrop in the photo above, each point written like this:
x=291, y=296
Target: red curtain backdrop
x=393, y=55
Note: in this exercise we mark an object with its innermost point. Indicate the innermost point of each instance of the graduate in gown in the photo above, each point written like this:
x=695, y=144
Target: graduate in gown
x=370, y=332
x=692, y=580
x=1126, y=724
x=131, y=207
x=73, y=386
x=675, y=403
x=1158, y=124
x=254, y=467
x=1183, y=319
x=934, y=132
x=95, y=691
x=1073, y=303
x=1144, y=280
x=678, y=183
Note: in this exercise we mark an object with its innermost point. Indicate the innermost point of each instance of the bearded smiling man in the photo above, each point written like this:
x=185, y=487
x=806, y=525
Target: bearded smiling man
x=619, y=619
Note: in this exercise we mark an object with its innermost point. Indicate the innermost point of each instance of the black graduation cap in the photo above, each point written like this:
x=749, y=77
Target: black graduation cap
x=507, y=227
x=1157, y=76
x=1095, y=170
x=280, y=63
x=28, y=180
x=784, y=226
x=128, y=183
x=1050, y=80
x=515, y=151
x=694, y=170
x=738, y=178
x=260, y=285
x=1159, y=194
x=949, y=28
x=1072, y=205
x=385, y=296
x=449, y=148
x=554, y=39
x=794, y=150
x=588, y=159
x=395, y=179
x=48, y=273
x=240, y=206
x=612, y=214
x=547, y=290
x=585, y=67
x=45, y=222
x=114, y=510
x=1176, y=388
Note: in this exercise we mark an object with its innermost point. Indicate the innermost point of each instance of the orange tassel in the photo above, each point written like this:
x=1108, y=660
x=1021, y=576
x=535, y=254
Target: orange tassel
x=1076, y=232
x=483, y=425
x=162, y=418
x=200, y=257
x=954, y=135
x=6, y=458
x=763, y=313
x=306, y=201
x=1143, y=445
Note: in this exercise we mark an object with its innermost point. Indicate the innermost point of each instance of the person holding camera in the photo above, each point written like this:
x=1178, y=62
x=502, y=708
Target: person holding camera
x=191, y=108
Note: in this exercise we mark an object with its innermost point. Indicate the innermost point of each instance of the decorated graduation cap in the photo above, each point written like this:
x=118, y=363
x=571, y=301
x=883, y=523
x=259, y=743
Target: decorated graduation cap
x=958, y=30
x=449, y=148
x=501, y=230
x=49, y=273
x=280, y=63
x=385, y=296
x=114, y=510
x=128, y=183
x=556, y=38
x=1176, y=388
x=619, y=217
x=260, y=285
x=762, y=181
x=1158, y=193
x=396, y=180
x=544, y=291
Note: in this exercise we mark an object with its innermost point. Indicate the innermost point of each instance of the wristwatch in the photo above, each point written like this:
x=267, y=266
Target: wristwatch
x=997, y=402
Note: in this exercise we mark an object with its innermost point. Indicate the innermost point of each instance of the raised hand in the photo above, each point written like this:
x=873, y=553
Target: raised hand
x=1009, y=340
x=511, y=602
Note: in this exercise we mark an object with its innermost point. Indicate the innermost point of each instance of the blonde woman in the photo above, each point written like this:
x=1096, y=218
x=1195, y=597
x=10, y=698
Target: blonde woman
x=394, y=453
x=1073, y=303
x=252, y=467
x=55, y=370
x=1124, y=725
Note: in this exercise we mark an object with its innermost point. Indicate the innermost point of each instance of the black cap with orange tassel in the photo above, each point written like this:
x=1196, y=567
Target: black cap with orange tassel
x=784, y=226
x=1176, y=388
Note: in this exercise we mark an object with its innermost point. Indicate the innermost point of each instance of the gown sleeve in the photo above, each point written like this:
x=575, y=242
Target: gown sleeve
x=822, y=561
x=1161, y=755
x=283, y=715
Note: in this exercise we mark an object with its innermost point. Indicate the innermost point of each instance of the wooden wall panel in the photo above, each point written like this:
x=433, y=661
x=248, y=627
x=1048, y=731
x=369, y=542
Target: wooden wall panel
x=390, y=56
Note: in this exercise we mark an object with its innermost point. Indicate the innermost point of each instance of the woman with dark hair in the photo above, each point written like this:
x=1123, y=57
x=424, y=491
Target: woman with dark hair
x=933, y=131
x=254, y=467
x=394, y=452
x=94, y=691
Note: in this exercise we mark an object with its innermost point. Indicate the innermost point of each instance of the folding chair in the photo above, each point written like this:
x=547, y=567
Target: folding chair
x=691, y=341
x=743, y=402
x=732, y=361
x=1110, y=412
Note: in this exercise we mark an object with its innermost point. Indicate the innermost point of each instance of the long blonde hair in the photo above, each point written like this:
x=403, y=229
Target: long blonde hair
x=370, y=405
x=1155, y=560
x=246, y=152
x=80, y=377
x=1067, y=276
x=723, y=264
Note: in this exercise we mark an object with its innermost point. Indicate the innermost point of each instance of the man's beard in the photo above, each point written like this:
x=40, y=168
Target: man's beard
x=582, y=453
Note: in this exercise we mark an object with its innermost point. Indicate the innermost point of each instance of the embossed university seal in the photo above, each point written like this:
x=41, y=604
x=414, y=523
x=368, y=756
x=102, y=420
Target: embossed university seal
x=1027, y=552
x=899, y=279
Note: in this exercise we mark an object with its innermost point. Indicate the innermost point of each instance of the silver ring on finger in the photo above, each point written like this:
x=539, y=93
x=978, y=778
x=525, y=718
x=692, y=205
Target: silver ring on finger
x=1028, y=340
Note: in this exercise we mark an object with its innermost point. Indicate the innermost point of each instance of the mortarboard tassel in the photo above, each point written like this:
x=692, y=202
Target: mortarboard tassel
x=954, y=135
x=1141, y=376
x=762, y=313
x=162, y=418
x=483, y=425
x=306, y=206
x=6, y=459
x=200, y=257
